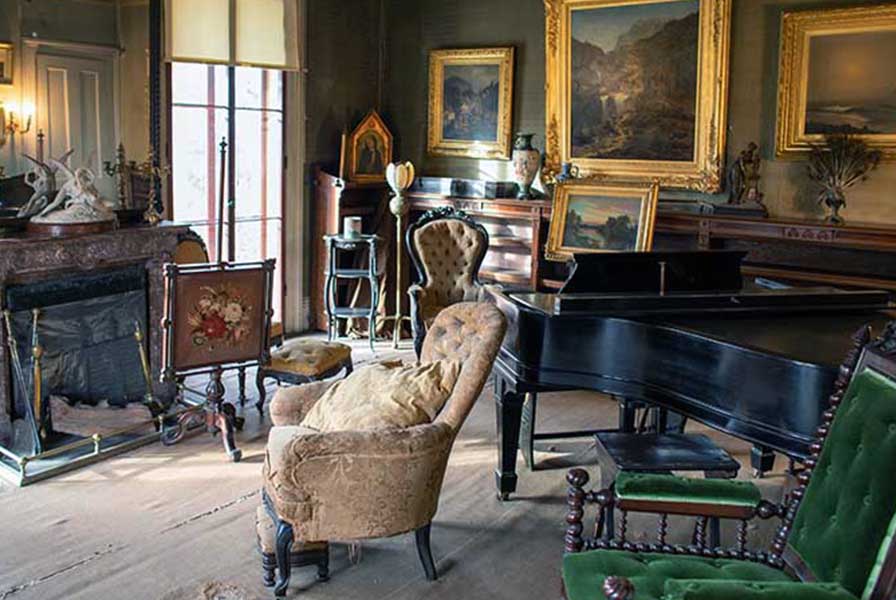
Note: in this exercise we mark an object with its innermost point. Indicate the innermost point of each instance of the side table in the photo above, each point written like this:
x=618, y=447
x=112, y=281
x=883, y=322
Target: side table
x=336, y=244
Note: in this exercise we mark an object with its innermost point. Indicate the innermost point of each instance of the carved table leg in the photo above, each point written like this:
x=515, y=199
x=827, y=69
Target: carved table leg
x=241, y=378
x=509, y=409
x=222, y=415
x=262, y=393
x=269, y=569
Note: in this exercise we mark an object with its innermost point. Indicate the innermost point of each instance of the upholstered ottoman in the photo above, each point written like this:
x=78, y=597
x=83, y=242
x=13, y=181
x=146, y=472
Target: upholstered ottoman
x=303, y=361
x=303, y=555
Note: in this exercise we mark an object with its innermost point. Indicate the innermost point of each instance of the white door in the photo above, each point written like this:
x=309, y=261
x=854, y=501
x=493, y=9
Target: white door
x=76, y=110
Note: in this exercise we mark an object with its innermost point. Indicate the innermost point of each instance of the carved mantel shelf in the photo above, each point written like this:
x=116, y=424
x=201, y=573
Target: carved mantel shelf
x=24, y=259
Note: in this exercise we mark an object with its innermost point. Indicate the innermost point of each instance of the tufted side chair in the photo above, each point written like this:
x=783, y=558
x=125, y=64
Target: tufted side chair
x=447, y=248
x=837, y=540
x=353, y=485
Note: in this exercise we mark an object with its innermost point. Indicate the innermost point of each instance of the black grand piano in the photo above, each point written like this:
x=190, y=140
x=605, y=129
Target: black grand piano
x=683, y=332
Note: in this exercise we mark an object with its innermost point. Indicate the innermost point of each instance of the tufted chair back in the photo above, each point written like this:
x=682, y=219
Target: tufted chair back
x=471, y=332
x=448, y=251
x=845, y=523
x=190, y=250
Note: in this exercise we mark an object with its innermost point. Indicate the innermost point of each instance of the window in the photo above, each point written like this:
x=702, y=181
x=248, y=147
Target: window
x=200, y=115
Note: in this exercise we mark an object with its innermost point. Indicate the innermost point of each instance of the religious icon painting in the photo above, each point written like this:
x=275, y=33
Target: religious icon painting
x=369, y=150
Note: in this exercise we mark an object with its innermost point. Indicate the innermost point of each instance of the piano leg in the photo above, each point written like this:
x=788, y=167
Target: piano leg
x=762, y=460
x=509, y=409
x=527, y=430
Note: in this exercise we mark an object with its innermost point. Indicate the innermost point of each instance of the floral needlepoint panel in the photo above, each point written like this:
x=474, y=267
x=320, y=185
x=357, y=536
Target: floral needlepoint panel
x=219, y=317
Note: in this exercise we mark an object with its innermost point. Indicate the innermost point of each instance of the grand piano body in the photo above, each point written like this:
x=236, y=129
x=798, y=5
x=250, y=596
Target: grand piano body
x=682, y=332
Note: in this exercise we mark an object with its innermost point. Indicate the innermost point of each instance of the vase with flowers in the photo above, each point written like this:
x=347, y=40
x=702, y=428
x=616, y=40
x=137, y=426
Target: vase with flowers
x=838, y=164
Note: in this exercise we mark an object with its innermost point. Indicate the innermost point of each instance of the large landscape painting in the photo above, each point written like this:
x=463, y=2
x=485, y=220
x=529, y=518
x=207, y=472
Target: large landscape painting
x=471, y=102
x=634, y=81
x=852, y=83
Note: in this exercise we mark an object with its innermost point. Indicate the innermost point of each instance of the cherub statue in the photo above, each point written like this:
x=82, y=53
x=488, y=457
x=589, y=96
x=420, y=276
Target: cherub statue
x=42, y=179
x=77, y=201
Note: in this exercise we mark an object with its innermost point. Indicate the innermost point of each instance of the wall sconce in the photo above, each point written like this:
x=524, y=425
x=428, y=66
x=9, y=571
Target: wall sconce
x=15, y=118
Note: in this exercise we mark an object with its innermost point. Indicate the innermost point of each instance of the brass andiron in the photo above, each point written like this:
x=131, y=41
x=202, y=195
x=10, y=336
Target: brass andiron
x=149, y=398
x=37, y=353
x=19, y=375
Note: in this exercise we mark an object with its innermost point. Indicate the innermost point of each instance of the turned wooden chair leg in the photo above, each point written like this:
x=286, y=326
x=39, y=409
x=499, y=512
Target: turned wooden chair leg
x=269, y=568
x=425, y=553
x=323, y=567
x=259, y=384
x=241, y=379
x=284, y=550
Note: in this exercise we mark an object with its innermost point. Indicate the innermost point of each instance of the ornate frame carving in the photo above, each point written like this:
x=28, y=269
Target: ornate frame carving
x=797, y=28
x=372, y=122
x=436, y=144
x=703, y=173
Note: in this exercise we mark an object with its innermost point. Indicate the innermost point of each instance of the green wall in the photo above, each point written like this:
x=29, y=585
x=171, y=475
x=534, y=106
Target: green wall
x=414, y=27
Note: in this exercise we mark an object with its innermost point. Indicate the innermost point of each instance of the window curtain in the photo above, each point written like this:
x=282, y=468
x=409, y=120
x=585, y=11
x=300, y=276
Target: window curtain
x=256, y=33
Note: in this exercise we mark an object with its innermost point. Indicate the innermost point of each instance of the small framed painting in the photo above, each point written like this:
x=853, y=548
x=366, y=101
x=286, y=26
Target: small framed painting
x=470, y=102
x=836, y=76
x=369, y=150
x=601, y=218
x=6, y=54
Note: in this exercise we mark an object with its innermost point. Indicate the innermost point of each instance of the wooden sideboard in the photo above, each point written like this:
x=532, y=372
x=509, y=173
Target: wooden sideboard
x=790, y=251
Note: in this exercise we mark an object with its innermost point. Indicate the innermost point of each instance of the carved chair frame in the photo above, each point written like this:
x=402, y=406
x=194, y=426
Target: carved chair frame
x=418, y=325
x=878, y=355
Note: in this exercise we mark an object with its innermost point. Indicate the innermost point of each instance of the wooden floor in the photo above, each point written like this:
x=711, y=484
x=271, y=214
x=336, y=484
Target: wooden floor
x=178, y=522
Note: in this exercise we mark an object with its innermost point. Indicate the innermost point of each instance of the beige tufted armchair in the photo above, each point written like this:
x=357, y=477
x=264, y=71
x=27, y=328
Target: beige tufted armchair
x=351, y=485
x=447, y=248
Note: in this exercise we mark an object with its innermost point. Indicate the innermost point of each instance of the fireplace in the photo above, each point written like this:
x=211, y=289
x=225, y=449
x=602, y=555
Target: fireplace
x=91, y=293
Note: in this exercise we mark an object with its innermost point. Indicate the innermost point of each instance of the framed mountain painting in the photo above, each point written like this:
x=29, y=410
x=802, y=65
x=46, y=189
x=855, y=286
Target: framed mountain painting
x=637, y=89
x=470, y=102
x=837, y=75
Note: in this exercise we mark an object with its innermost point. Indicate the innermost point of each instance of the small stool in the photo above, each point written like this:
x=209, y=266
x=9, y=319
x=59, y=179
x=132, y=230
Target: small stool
x=661, y=454
x=303, y=361
x=303, y=554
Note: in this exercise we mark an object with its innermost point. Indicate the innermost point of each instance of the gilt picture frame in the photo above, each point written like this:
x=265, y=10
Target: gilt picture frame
x=369, y=150
x=836, y=75
x=471, y=102
x=674, y=54
x=591, y=218
x=7, y=52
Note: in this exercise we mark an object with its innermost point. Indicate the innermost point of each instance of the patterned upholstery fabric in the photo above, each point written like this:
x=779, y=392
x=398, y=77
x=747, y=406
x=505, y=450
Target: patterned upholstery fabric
x=584, y=573
x=848, y=506
x=670, y=488
x=449, y=251
x=310, y=358
x=377, y=483
x=267, y=532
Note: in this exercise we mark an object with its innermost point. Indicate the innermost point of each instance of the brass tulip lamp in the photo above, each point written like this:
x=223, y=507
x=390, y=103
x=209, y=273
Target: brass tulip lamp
x=400, y=176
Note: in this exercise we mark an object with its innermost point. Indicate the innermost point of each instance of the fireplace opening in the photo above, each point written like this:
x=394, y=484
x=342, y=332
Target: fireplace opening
x=92, y=380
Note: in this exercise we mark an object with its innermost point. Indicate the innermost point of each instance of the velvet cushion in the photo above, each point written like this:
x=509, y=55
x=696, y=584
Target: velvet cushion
x=848, y=506
x=584, y=573
x=690, y=589
x=669, y=488
x=383, y=395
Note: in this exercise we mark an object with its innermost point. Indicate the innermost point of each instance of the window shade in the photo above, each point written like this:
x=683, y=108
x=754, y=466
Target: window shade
x=261, y=33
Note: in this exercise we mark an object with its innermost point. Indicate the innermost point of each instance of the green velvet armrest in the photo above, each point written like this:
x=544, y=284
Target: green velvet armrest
x=671, y=488
x=702, y=589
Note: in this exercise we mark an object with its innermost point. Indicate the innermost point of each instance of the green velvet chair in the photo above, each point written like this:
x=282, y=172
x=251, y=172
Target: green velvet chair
x=836, y=539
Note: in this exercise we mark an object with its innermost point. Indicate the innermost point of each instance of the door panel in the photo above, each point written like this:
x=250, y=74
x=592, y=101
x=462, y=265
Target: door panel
x=76, y=110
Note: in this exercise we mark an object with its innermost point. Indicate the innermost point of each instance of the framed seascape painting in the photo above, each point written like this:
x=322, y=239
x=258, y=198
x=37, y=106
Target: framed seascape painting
x=369, y=150
x=470, y=102
x=601, y=218
x=637, y=89
x=837, y=75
